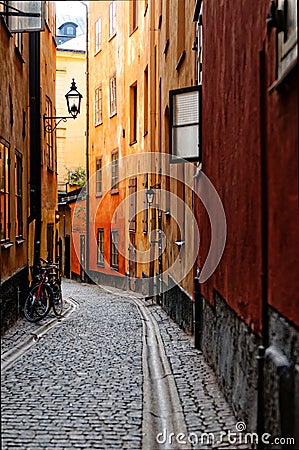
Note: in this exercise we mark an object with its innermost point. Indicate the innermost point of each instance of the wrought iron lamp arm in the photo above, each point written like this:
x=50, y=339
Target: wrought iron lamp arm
x=48, y=128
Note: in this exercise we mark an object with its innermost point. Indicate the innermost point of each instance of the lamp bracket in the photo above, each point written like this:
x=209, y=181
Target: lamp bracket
x=48, y=128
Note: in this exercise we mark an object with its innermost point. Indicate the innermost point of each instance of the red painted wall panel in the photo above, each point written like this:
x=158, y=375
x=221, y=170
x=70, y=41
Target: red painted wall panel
x=234, y=34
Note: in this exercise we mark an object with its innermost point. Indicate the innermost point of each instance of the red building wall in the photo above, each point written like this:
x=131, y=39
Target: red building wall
x=236, y=130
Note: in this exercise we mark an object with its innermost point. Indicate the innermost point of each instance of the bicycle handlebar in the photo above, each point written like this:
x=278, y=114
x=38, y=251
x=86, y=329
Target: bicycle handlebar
x=50, y=264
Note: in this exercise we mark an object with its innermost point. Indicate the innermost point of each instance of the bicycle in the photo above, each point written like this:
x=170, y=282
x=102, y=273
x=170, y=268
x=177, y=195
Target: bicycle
x=44, y=293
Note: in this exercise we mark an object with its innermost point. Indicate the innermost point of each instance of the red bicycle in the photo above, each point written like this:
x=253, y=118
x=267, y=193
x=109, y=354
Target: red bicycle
x=46, y=293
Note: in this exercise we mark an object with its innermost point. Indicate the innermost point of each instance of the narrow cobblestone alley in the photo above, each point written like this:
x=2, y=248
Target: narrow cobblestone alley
x=81, y=386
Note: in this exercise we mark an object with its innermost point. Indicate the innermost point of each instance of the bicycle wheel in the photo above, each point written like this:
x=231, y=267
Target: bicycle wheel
x=37, y=303
x=57, y=298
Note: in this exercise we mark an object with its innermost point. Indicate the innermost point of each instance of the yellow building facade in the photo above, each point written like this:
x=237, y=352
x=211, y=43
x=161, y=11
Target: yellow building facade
x=119, y=132
x=140, y=51
x=28, y=172
x=71, y=137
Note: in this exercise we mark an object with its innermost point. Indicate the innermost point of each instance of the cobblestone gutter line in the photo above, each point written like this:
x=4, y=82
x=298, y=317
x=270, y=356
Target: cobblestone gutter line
x=161, y=403
x=209, y=418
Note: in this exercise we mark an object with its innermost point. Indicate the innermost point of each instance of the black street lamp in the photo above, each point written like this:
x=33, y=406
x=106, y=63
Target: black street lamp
x=150, y=194
x=73, y=101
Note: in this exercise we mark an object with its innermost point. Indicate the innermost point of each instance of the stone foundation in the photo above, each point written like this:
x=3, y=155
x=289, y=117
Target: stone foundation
x=281, y=391
x=13, y=292
x=178, y=305
x=230, y=348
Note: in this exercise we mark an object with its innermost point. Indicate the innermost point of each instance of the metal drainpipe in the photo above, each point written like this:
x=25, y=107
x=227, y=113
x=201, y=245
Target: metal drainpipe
x=197, y=312
x=264, y=247
x=160, y=254
x=87, y=151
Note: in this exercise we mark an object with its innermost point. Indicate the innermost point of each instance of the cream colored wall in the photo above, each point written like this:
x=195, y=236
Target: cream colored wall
x=126, y=54
x=176, y=26
x=71, y=137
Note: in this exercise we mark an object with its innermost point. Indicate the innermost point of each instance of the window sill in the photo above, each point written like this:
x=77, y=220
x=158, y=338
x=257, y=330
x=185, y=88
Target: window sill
x=114, y=191
x=133, y=142
x=166, y=47
x=19, y=55
x=114, y=268
x=6, y=244
x=280, y=80
x=111, y=37
x=20, y=240
x=97, y=52
x=99, y=195
x=113, y=115
x=181, y=60
x=102, y=265
x=145, y=133
x=98, y=124
x=133, y=31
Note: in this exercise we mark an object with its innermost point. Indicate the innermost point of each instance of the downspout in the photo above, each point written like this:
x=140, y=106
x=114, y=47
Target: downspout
x=87, y=150
x=264, y=244
x=35, y=139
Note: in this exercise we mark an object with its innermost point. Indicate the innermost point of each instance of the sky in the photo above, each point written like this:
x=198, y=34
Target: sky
x=67, y=7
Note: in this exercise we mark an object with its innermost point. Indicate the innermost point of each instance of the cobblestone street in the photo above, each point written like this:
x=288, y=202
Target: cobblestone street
x=81, y=385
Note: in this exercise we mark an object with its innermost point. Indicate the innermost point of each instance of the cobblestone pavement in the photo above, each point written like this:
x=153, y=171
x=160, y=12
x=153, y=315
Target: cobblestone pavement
x=80, y=385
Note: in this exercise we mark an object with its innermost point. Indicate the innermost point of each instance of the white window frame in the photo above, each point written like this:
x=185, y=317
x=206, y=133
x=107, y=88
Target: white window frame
x=101, y=247
x=98, y=112
x=288, y=39
x=98, y=35
x=112, y=96
x=112, y=19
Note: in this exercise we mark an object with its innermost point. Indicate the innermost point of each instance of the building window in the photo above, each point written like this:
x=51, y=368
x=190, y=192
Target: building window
x=19, y=193
x=98, y=113
x=288, y=39
x=114, y=249
x=100, y=253
x=133, y=15
x=49, y=137
x=132, y=204
x=112, y=95
x=99, y=177
x=112, y=19
x=133, y=114
x=145, y=203
x=145, y=111
x=70, y=31
x=50, y=241
x=114, y=172
x=181, y=32
x=4, y=192
x=98, y=37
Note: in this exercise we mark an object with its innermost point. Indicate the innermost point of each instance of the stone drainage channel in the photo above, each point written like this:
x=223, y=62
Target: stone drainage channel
x=161, y=404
